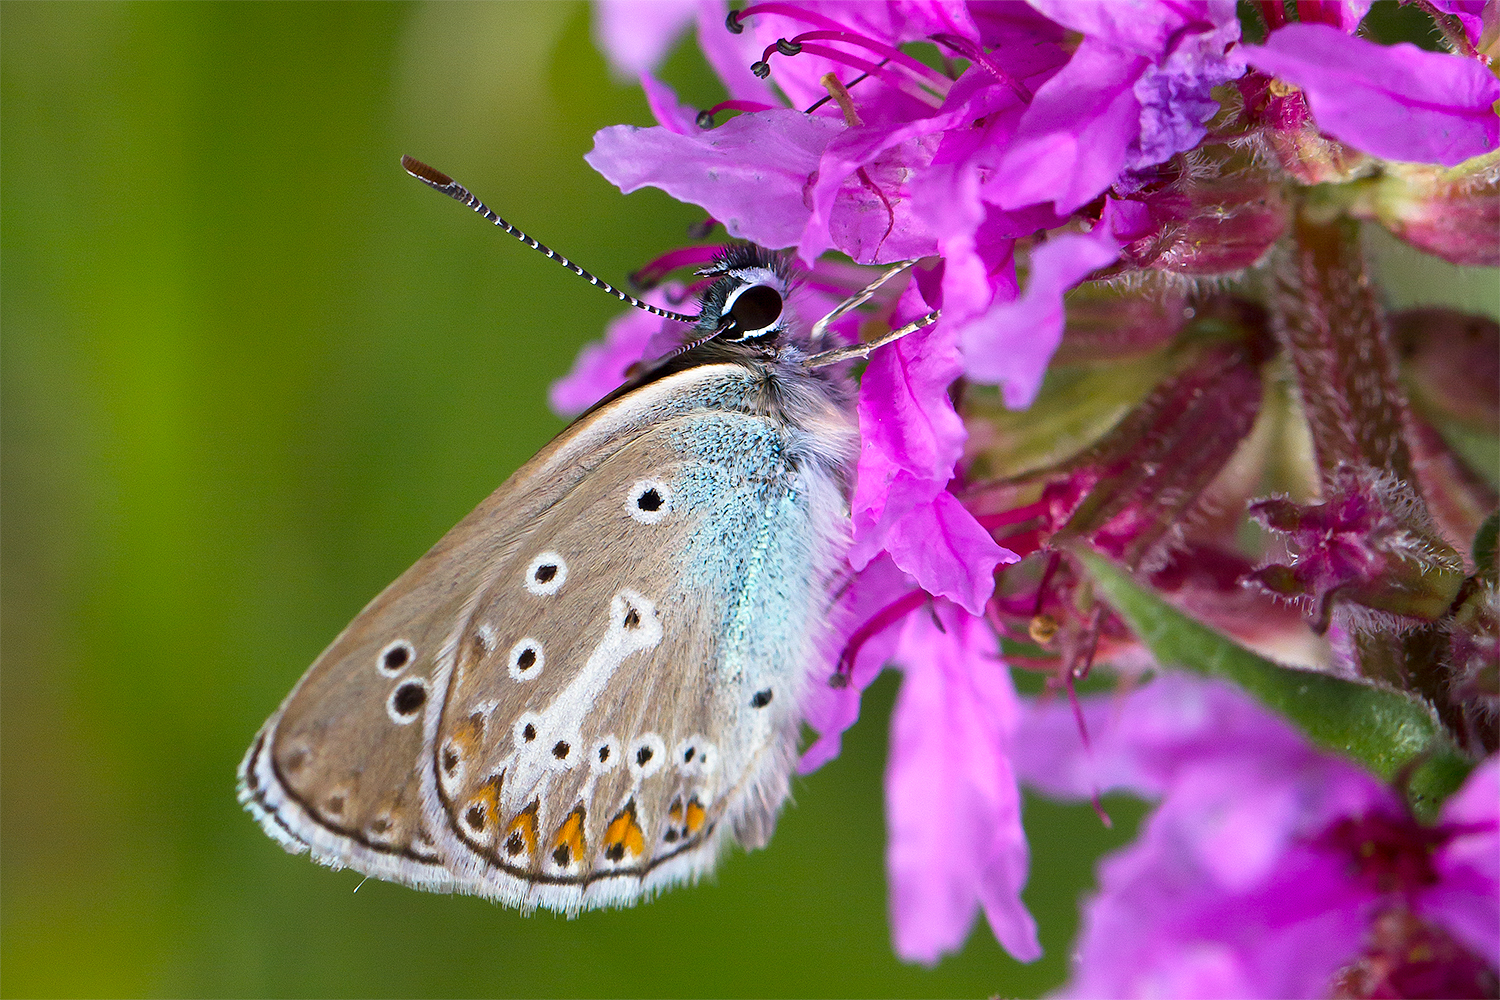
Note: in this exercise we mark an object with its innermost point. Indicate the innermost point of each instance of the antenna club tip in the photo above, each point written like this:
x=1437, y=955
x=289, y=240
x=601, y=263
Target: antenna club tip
x=423, y=172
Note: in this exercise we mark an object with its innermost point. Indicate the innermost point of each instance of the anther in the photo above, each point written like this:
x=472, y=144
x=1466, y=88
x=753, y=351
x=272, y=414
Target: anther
x=787, y=47
x=732, y=22
x=705, y=119
x=761, y=68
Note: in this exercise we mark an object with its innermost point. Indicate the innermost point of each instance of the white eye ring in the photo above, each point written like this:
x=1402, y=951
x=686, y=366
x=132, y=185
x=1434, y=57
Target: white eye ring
x=641, y=505
x=546, y=574
x=525, y=671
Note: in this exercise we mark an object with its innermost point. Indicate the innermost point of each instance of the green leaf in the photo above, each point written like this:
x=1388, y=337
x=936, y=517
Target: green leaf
x=1383, y=729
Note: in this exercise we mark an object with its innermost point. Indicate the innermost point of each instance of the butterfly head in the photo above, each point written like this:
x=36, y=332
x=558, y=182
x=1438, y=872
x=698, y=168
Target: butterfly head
x=747, y=301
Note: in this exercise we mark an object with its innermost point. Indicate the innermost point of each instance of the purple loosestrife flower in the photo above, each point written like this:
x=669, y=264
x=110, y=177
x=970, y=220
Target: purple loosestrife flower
x=1393, y=101
x=1268, y=867
x=1084, y=185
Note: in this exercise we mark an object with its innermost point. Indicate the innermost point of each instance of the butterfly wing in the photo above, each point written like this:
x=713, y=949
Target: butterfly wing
x=574, y=695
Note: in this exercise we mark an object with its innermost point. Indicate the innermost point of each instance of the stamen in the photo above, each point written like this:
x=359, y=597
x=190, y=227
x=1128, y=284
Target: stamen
x=878, y=622
x=975, y=54
x=1088, y=749
x=904, y=84
x=841, y=97
x=649, y=275
x=922, y=74
x=706, y=118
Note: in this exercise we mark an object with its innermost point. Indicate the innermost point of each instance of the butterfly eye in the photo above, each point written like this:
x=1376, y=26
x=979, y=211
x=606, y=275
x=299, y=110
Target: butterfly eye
x=754, y=311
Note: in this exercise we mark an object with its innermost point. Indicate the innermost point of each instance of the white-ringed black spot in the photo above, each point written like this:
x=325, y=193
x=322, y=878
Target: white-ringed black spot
x=526, y=659
x=406, y=701
x=689, y=754
x=761, y=699
x=646, y=755
x=546, y=574
x=604, y=754
x=648, y=501
x=561, y=749
x=528, y=732
x=395, y=657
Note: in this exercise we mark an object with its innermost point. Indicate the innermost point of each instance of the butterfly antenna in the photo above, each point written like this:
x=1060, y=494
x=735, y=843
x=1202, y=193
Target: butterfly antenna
x=440, y=181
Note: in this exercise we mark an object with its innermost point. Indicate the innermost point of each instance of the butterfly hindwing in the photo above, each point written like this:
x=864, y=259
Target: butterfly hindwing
x=642, y=589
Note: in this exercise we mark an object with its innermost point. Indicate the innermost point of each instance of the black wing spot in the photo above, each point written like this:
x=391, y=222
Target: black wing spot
x=671, y=835
x=409, y=698
x=394, y=659
x=632, y=618
x=561, y=855
x=687, y=755
x=515, y=844
x=615, y=852
x=527, y=659
x=560, y=750
x=650, y=500
x=545, y=572
x=475, y=818
x=450, y=761
x=643, y=756
x=761, y=699
x=529, y=733
x=604, y=753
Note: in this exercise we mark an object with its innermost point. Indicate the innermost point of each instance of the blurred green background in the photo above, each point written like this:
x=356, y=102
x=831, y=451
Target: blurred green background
x=251, y=371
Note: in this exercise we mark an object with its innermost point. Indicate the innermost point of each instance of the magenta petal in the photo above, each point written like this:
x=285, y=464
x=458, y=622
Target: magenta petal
x=1467, y=897
x=1071, y=142
x=953, y=811
x=829, y=709
x=748, y=173
x=1012, y=343
x=600, y=366
x=947, y=552
x=636, y=35
x=1394, y=101
x=670, y=113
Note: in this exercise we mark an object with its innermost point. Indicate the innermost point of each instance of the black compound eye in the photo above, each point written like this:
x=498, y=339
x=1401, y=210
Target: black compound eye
x=756, y=308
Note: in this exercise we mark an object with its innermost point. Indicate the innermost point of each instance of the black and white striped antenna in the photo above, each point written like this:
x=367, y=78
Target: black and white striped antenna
x=439, y=181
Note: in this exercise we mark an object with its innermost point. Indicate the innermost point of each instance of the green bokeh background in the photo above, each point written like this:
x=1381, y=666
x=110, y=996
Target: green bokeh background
x=250, y=372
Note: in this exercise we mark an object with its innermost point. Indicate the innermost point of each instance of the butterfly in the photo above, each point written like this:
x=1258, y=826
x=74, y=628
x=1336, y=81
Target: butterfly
x=592, y=683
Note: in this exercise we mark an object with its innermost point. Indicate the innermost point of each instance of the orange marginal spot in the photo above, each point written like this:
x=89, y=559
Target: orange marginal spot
x=695, y=815
x=520, y=835
x=567, y=843
x=483, y=808
x=624, y=835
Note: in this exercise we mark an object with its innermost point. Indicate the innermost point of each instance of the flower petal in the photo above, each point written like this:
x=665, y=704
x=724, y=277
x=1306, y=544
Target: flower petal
x=1467, y=897
x=952, y=807
x=636, y=35
x=1011, y=344
x=748, y=173
x=1394, y=101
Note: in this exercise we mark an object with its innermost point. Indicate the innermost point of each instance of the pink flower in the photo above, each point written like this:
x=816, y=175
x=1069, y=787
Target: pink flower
x=1268, y=864
x=1394, y=101
x=953, y=810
